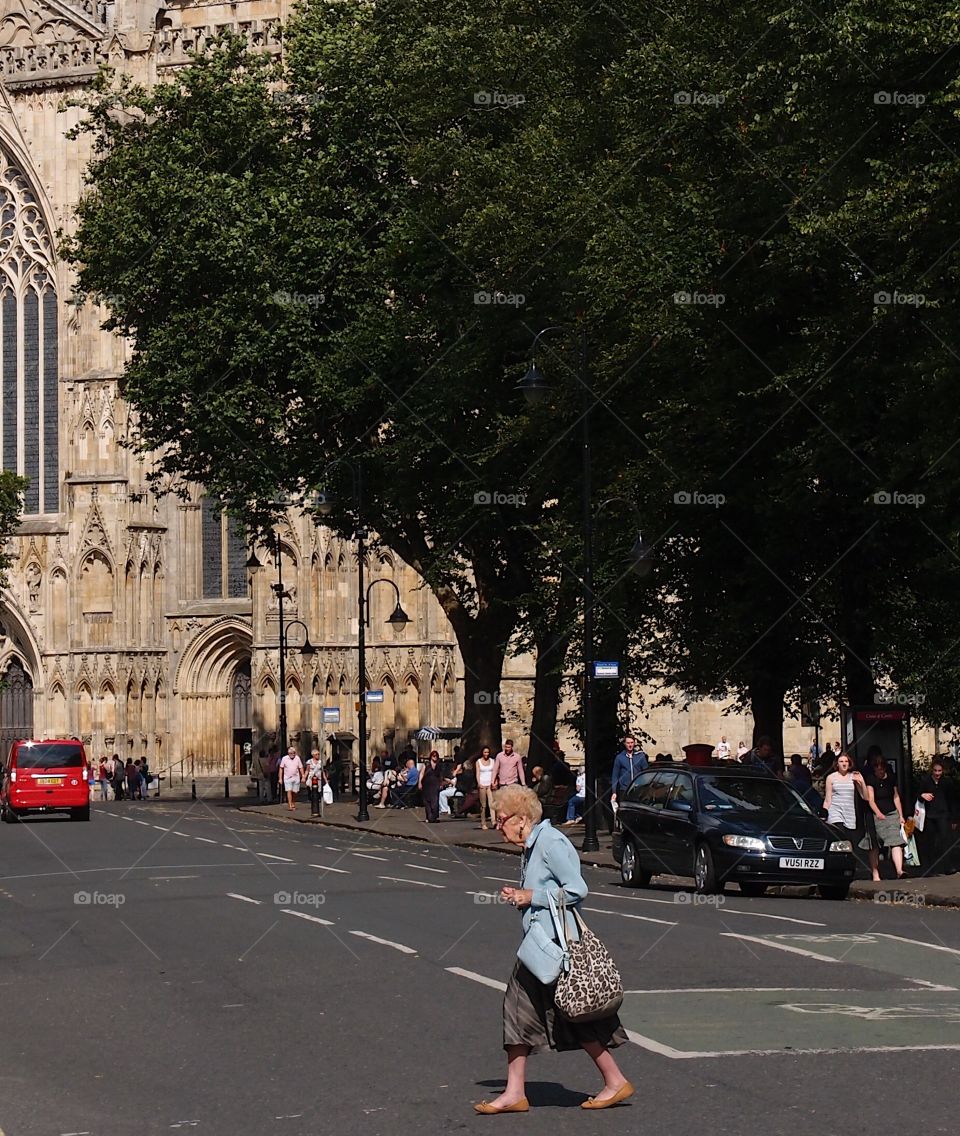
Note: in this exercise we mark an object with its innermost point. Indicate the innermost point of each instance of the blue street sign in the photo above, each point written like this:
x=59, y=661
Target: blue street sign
x=606, y=670
x=331, y=713
x=373, y=696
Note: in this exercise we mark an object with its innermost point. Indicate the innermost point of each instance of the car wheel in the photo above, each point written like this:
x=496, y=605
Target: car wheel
x=705, y=872
x=80, y=814
x=752, y=889
x=631, y=870
x=833, y=891
x=9, y=815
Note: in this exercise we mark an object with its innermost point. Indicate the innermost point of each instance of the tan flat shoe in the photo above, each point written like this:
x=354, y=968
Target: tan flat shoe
x=625, y=1090
x=485, y=1108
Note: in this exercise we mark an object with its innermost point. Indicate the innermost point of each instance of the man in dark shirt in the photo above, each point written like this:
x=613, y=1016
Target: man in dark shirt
x=940, y=822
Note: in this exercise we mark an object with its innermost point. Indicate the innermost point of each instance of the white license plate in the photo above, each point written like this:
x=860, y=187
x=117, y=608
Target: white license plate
x=802, y=862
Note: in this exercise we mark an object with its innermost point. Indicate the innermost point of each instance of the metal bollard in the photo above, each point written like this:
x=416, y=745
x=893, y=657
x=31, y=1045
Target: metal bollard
x=193, y=790
x=226, y=788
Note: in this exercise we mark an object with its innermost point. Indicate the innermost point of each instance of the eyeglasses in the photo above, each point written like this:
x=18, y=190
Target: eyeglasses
x=501, y=821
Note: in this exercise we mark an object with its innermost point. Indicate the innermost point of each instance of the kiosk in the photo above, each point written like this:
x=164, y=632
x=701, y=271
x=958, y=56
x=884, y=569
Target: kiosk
x=889, y=728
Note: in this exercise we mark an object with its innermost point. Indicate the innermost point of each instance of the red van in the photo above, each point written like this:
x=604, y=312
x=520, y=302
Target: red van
x=47, y=777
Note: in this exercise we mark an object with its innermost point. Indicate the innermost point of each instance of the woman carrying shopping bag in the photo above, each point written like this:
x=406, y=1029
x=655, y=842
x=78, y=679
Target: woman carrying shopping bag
x=549, y=875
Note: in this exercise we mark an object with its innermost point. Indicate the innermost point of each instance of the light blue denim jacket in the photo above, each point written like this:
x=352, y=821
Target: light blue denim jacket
x=551, y=865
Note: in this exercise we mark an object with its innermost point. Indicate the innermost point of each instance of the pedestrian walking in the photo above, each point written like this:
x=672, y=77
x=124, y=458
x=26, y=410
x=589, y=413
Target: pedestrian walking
x=883, y=800
x=315, y=779
x=842, y=789
x=430, y=784
x=936, y=841
x=485, y=768
x=291, y=773
x=550, y=868
x=508, y=768
x=628, y=763
x=576, y=802
x=103, y=776
x=116, y=777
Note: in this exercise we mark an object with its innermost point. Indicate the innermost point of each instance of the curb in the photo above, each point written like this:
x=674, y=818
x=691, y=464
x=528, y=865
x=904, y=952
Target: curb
x=903, y=897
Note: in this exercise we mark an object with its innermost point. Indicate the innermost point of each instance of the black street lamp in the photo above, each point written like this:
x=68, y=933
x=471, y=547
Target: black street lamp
x=534, y=386
x=307, y=647
x=323, y=504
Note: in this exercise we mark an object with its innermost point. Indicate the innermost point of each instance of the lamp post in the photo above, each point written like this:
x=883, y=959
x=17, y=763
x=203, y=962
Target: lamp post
x=398, y=619
x=534, y=387
x=307, y=648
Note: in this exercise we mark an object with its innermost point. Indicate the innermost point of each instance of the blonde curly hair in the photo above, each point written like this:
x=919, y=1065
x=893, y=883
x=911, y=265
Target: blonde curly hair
x=517, y=800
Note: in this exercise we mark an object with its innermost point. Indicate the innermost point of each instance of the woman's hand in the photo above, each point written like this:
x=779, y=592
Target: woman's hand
x=927, y=796
x=516, y=897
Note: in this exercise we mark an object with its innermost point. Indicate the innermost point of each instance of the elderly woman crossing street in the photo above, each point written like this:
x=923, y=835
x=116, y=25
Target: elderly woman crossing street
x=550, y=868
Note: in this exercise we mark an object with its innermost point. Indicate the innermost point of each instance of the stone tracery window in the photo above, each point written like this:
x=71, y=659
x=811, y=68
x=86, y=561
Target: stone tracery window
x=29, y=346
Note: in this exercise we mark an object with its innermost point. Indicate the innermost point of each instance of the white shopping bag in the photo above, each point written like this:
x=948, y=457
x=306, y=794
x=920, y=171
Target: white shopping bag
x=920, y=814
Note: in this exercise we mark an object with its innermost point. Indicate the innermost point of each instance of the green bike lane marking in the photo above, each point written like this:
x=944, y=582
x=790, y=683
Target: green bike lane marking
x=763, y=1023
x=726, y=1023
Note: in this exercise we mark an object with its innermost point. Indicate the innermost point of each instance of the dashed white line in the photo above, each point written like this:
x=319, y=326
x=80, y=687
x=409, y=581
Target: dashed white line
x=160, y=828
x=627, y=915
x=419, y=883
x=764, y=915
x=270, y=856
x=502, y=879
x=384, y=942
x=424, y=868
x=205, y=839
x=366, y=856
x=312, y=918
x=779, y=946
x=474, y=977
x=325, y=868
x=235, y=847
x=173, y=877
x=245, y=898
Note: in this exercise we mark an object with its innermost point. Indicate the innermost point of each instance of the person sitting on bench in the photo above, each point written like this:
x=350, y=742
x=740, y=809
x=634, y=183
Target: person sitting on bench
x=405, y=793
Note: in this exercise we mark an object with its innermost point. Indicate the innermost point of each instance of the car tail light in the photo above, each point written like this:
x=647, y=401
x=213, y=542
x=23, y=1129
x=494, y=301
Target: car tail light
x=13, y=774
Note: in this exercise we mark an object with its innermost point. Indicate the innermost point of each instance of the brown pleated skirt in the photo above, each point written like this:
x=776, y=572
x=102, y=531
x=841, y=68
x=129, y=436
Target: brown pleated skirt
x=530, y=1018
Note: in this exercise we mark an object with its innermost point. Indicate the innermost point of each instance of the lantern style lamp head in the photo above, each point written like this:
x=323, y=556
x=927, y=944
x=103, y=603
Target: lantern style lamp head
x=641, y=555
x=534, y=386
x=399, y=619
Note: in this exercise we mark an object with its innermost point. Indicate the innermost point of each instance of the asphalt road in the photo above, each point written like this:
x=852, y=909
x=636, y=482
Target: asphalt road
x=173, y=967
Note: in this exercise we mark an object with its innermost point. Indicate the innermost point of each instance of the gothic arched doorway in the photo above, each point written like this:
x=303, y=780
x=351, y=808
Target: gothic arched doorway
x=242, y=718
x=16, y=706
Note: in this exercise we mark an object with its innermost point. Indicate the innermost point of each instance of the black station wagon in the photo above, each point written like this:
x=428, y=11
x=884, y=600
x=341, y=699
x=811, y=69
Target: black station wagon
x=727, y=823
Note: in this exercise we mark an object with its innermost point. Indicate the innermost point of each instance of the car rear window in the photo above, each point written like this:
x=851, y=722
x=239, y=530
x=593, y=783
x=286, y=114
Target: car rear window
x=748, y=795
x=50, y=755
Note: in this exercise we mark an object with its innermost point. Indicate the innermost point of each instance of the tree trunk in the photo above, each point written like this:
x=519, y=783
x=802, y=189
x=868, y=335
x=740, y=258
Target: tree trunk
x=548, y=681
x=766, y=705
x=856, y=636
x=482, y=640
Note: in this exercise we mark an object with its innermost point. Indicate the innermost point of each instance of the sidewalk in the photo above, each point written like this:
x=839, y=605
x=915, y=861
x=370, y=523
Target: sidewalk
x=937, y=891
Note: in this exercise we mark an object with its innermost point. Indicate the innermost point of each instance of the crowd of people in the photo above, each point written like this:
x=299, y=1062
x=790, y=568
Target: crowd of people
x=123, y=780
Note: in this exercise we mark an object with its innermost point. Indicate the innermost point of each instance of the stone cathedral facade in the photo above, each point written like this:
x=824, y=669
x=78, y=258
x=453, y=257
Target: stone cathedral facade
x=129, y=621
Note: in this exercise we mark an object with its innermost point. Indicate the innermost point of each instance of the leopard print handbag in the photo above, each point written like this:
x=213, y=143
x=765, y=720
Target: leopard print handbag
x=589, y=987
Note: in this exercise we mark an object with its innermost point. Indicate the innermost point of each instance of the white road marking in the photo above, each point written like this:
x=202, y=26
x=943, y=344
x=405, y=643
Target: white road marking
x=627, y=915
x=160, y=828
x=245, y=898
x=270, y=856
x=474, y=977
x=502, y=879
x=205, y=839
x=383, y=942
x=365, y=856
x=235, y=847
x=324, y=868
x=146, y=822
x=188, y=835
x=763, y=915
x=304, y=915
x=173, y=877
x=919, y=943
x=232, y=1005
x=779, y=946
x=419, y=883
x=930, y=985
x=424, y=868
